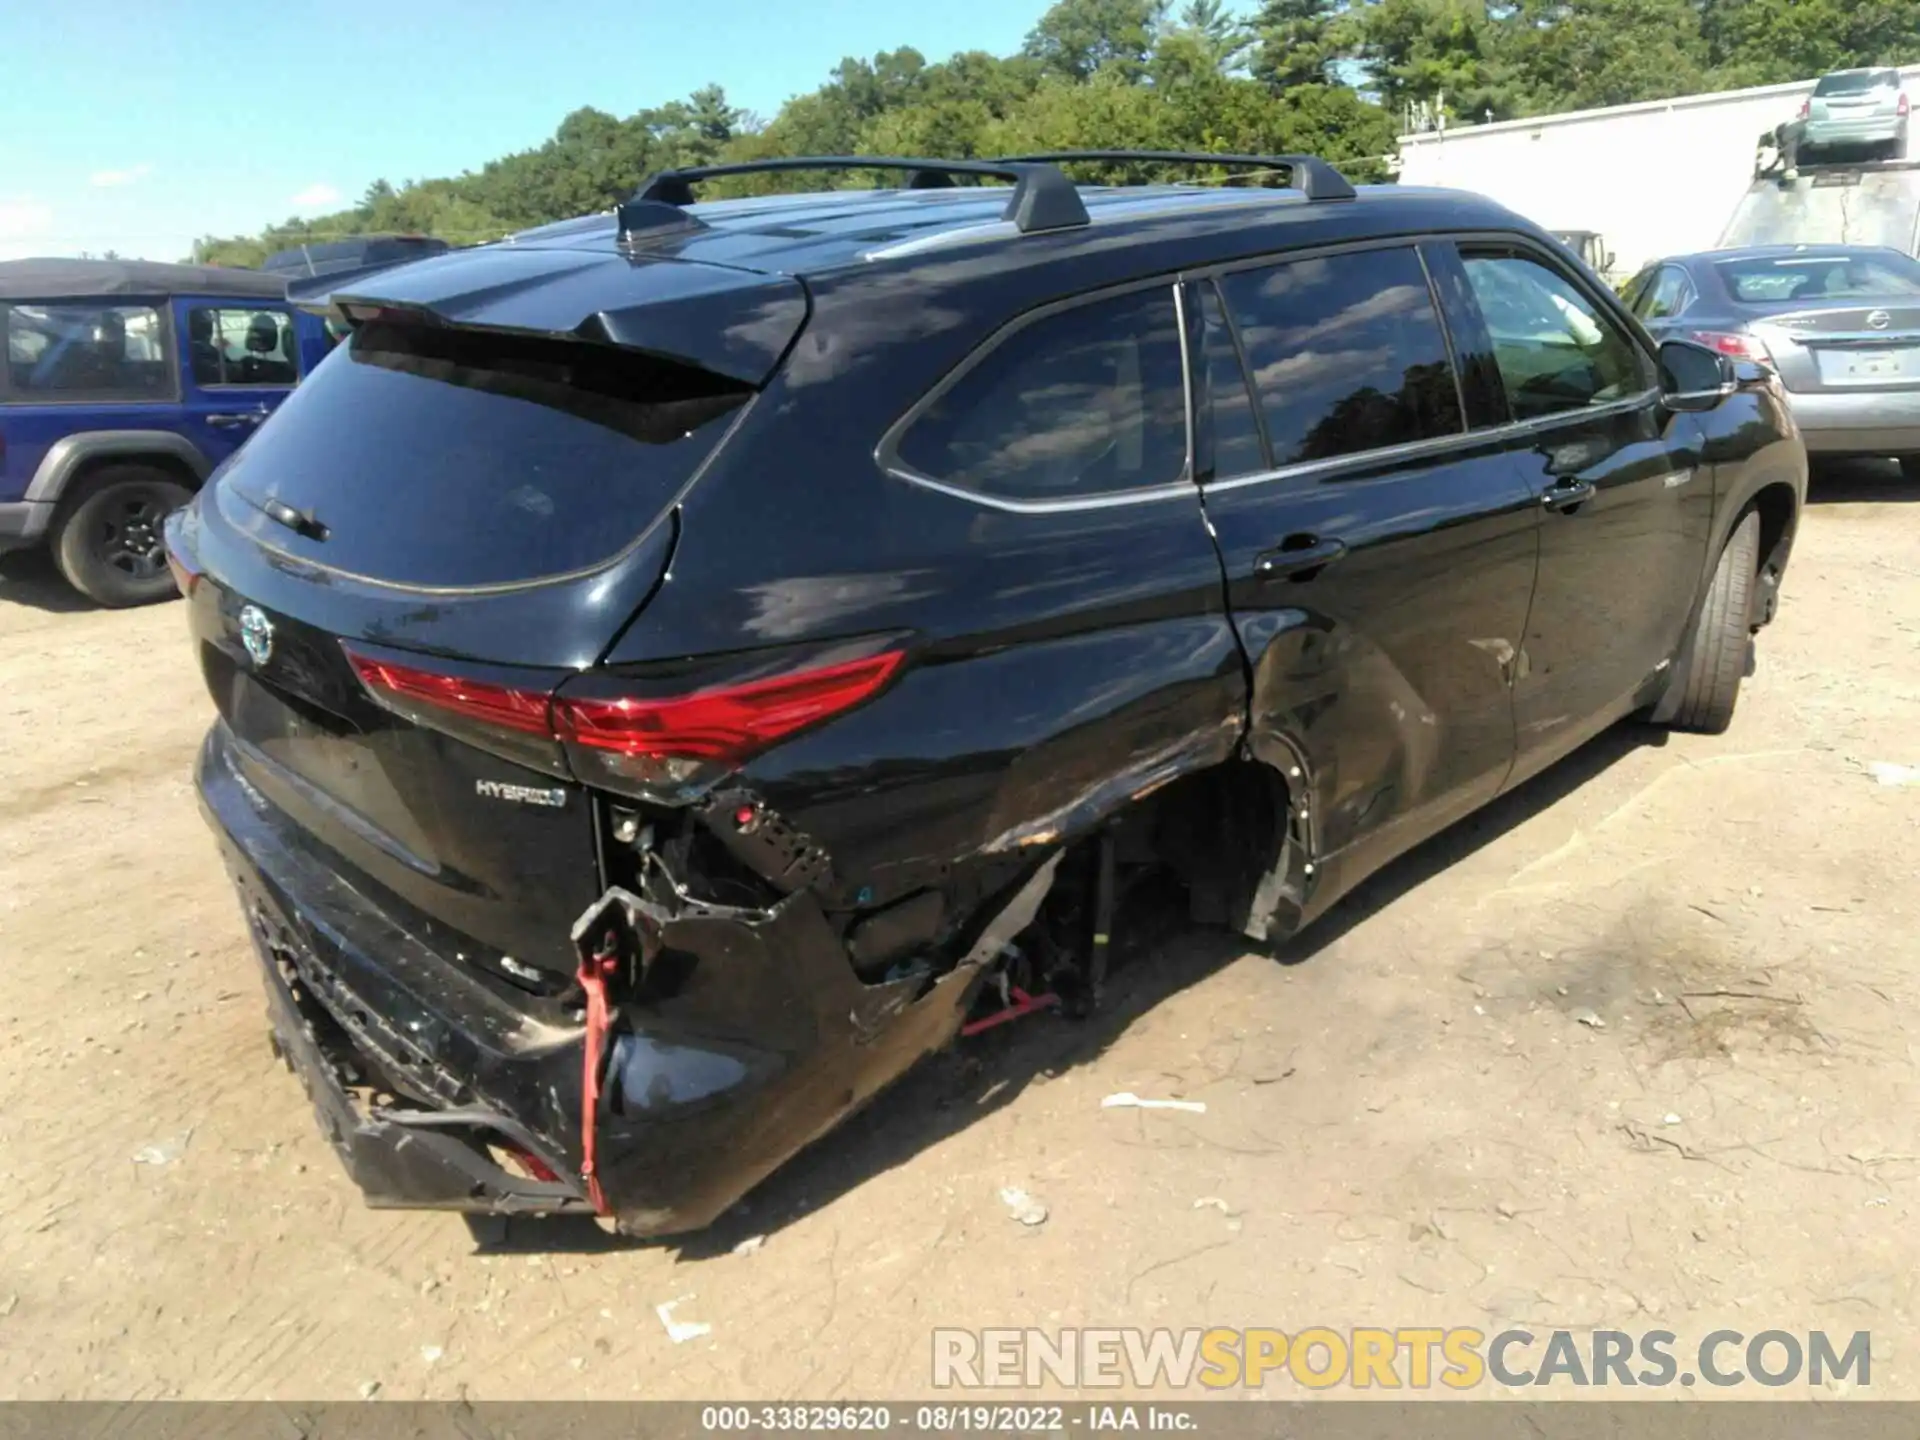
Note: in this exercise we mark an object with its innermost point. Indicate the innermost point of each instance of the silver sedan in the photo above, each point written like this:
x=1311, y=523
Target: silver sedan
x=1839, y=324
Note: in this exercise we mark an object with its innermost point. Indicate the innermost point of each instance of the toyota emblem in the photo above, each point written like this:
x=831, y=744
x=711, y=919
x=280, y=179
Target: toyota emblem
x=256, y=633
x=1878, y=320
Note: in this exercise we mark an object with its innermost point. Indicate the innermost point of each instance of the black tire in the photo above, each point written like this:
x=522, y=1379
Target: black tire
x=1716, y=660
x=1910, y=469
x=107, y=540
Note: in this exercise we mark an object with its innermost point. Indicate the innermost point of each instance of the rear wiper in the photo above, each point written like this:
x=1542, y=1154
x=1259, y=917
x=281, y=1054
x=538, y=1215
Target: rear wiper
x=298, y=521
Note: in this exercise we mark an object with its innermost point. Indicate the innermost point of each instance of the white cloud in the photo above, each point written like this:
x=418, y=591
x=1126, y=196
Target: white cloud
x=22, y=218
x=107, y=178
x=315, y=197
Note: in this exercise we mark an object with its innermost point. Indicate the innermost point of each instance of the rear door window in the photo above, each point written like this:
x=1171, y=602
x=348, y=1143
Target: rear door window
x=460, y=458
x=1557, y=351
x=1347, y=353
x=1670, y=295
x=81, y=352
x=236, y=346
x=1083, y=402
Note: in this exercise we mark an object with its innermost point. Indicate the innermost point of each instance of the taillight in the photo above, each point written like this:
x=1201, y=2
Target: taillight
x=623, y=738
x=403, y=688
x=728, y=723
x=624, y=741
x=1739, y=346
x=1900, y=105
x=1806, y=109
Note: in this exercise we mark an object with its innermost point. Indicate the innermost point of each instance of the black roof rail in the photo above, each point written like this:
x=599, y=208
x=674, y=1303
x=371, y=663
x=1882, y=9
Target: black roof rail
x=1311, y=176
x=1043, y=198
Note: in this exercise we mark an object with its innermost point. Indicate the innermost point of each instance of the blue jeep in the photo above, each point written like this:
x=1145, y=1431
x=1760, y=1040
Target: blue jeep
x=125, y=384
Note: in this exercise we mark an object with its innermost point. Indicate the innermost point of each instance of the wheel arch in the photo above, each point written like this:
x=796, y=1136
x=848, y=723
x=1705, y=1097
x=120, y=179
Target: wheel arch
x=70, y=460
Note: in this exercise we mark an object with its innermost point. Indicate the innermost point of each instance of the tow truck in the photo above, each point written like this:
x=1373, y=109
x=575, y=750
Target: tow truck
x=1826, y=202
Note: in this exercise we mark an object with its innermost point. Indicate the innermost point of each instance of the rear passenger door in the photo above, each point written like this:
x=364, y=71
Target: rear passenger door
x=1379, y=561
x=1625, y=501
x=239, y=359
x=75, y=366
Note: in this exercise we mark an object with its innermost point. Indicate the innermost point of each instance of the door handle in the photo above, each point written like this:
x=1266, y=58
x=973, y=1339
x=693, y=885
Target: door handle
x=235, y=422
x=1568, y=497
x=1298, y=558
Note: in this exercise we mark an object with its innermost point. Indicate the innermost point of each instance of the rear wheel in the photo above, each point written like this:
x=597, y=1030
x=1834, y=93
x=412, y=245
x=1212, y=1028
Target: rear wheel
x=1715, y=661
x=107, y=541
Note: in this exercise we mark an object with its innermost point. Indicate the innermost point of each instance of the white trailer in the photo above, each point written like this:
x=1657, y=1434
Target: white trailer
x=1659, y=178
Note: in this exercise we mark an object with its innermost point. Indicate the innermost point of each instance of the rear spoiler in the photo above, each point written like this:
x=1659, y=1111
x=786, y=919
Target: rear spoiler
x=315, y=292
x=730, y=322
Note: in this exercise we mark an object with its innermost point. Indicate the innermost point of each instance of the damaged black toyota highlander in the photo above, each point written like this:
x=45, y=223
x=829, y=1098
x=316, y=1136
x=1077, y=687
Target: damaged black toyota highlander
x=677, y=668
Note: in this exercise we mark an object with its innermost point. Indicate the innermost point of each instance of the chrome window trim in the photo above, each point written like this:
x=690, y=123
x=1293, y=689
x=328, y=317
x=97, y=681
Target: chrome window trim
x=1495, y=435
x=887, y=456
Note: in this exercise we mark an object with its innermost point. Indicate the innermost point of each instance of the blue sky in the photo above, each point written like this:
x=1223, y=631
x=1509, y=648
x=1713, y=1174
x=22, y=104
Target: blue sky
x=138, y=126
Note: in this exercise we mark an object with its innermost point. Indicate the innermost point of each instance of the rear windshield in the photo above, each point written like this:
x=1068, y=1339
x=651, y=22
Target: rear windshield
x=1820, y=277
x=1858, y=83
x=452, y=458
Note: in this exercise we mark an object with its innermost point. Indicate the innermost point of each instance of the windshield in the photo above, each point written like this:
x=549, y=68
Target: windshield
x=1820, y=277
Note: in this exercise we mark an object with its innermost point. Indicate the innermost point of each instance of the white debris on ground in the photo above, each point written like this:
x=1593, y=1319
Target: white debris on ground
x=1022, y=1206
x=1127, y=1100
x=681, y=1331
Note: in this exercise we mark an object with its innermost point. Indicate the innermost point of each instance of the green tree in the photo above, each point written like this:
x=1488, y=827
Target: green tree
x=1580, y=54
x=1424, y=50
x=1205, y=40
x=1295, y=42
x=1763, y=42
x=1076, y=38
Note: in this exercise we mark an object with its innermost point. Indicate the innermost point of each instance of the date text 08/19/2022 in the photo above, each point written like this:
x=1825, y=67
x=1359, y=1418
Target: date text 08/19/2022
x=943, y=1419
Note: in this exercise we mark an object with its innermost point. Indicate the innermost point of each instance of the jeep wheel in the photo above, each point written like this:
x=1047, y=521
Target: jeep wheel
x=108, y=542
x=1715, y=661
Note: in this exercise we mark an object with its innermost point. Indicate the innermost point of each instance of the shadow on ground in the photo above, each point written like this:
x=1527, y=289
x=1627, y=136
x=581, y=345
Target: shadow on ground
x=951, y=1090
x=1859, y=482
x=28, y=577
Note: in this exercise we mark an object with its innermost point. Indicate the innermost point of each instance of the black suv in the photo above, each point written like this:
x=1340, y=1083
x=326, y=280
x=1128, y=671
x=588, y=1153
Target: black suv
x=676, y=668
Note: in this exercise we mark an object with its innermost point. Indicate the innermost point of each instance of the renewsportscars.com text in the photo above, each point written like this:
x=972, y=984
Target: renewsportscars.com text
x=1410, y=1358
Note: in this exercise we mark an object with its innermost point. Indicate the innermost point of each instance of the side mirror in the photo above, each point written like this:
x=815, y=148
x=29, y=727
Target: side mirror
x=1693, y=377
x=1607, y=264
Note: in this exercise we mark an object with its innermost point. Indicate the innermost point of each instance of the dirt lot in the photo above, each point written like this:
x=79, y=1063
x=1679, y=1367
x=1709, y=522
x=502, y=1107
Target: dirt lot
x=1409, y=1122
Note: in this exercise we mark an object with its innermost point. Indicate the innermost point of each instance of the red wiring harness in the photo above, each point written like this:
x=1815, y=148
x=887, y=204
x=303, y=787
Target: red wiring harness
x=593, y=976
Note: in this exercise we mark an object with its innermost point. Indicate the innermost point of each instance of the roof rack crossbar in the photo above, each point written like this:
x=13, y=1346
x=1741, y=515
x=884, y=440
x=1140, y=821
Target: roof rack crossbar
x=1042, y=199
x=1310, y=175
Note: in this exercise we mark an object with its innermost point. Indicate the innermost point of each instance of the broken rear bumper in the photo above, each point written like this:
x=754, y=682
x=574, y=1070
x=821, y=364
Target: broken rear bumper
x=770, y=1044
